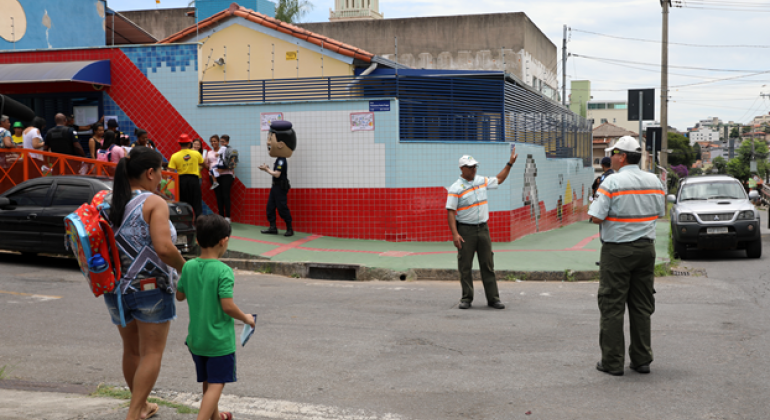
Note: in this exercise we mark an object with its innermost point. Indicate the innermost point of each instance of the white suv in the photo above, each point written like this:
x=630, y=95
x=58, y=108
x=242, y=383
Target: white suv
x=714, y=212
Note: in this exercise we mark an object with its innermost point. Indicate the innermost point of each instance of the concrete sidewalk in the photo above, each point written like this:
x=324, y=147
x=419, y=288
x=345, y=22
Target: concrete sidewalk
x=567, y=253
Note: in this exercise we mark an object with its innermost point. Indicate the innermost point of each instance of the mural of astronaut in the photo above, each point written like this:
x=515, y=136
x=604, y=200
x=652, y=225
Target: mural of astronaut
x=529, y=193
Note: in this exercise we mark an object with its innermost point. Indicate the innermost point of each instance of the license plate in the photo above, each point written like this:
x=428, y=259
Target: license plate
x=182, y=240
x=716, y=230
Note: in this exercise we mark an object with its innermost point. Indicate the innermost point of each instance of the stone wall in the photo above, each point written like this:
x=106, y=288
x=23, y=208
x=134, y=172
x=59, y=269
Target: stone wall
x=469, y=42
x=162, y=23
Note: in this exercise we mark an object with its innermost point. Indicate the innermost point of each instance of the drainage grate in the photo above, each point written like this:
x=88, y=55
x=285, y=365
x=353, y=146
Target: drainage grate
x=680, y=272
x=332, y=271
x=697, y=272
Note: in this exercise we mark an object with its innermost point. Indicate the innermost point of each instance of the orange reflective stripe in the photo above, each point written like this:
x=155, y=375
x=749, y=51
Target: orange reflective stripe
x=629, y=192
x=454, y=195
x=474, y=188
x=641, y=219
x=472, y=205
x=639, y=192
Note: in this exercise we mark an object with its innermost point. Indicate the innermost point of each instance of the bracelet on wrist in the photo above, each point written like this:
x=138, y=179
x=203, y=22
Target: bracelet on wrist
x=509, y=164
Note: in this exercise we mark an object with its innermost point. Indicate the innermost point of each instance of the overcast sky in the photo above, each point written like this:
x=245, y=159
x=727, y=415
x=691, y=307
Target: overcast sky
x=736, y=100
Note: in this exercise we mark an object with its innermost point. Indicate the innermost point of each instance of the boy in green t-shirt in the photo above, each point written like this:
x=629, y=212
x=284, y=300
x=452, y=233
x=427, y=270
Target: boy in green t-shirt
x=207, y=284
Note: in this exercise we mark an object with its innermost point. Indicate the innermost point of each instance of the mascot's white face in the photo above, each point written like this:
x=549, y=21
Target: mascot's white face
x=277, y=148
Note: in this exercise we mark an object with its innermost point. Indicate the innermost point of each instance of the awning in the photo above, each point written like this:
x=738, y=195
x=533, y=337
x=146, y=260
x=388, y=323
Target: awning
x=91, y=72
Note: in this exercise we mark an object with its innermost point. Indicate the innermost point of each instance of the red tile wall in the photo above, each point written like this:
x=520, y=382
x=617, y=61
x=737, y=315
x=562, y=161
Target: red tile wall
x=398, y=214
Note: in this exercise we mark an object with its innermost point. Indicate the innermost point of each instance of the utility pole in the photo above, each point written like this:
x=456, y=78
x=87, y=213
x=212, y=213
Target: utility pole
x=664, y=88
x=564, y=68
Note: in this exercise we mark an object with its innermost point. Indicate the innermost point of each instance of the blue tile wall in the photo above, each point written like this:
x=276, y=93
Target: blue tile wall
x=176, y=57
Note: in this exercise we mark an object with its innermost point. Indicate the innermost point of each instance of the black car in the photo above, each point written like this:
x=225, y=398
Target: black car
x=32, y=213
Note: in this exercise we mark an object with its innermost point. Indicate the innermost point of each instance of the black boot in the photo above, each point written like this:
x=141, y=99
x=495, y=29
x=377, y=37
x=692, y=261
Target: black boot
x=272, y=230
x=289, y=230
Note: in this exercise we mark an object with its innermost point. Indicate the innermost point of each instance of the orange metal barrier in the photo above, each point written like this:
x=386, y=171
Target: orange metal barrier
x=19, y=165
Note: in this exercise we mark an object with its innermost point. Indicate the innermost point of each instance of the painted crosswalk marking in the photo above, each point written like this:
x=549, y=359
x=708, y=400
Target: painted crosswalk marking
x=288, y=410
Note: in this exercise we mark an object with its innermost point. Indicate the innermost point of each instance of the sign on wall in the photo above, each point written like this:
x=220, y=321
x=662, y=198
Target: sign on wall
x=291, y=55
x=379, y=106
x=269, y=117
x=362, y=121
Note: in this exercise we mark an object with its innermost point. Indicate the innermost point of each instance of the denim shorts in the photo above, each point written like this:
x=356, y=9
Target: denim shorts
x=215, y=370
x=151, y=306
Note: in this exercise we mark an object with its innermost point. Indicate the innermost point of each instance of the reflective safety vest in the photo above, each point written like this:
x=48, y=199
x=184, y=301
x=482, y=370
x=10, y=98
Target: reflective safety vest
x=470, y=199
x=629, y=202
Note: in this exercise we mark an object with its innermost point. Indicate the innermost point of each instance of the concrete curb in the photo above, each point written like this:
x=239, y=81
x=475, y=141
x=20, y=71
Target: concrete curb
x=354, y=272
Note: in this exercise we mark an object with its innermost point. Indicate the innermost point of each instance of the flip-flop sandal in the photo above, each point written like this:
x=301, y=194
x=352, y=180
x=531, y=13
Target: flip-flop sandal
x=224, y=415
x=152, y=412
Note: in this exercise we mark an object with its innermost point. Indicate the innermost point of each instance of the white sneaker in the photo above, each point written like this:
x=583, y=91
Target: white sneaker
x=214, y=185
x=228, y=219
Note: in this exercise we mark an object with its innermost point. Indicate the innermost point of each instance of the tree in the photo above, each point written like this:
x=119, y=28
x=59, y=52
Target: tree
x=734, y=133
x=696, y=149
x=739, y=166
x=292, y=11
x=720, y=164
x=682, y=153
x=746, y=128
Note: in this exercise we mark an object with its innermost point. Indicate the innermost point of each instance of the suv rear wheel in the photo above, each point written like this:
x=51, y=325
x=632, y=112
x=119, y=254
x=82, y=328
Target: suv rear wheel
x=754, y=249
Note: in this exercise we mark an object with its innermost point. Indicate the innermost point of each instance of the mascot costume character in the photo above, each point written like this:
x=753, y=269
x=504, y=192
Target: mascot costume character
x=281, y=142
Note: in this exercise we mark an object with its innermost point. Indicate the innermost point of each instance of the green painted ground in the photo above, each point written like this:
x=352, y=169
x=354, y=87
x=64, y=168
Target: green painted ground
x=545, y=251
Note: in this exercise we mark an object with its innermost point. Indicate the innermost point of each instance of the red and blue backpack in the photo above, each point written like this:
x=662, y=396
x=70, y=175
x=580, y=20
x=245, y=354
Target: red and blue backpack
x=92, y=240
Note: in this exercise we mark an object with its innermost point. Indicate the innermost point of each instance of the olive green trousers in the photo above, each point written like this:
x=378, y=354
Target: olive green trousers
x=627, y=275
x=477, y=241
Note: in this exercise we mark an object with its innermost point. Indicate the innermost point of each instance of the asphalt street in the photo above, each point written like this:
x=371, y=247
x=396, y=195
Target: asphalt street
x=402, y=350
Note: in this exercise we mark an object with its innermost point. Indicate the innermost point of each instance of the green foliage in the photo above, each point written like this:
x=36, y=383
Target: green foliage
x=735, y=133
x=662, y=270
x=720, y=164
x=696, y=171
x=746, y=128
x=292, y=11
x=682, y=153
x=696, y=149
x=739, y=166
x=4, y=371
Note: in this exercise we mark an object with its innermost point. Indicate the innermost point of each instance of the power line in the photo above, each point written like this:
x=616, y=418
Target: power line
x=725, y=7
x=614, y=60
x=670, y=43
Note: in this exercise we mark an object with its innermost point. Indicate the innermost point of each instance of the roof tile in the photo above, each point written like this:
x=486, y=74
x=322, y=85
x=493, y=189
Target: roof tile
x=272, y=23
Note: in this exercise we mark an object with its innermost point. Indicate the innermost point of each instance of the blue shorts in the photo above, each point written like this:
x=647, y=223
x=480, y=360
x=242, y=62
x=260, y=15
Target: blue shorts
x=150, y=306
x=215, y=370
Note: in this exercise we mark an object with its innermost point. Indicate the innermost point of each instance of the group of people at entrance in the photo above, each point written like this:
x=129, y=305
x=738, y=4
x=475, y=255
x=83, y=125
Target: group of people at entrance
x=192, y=161
x=628, y=202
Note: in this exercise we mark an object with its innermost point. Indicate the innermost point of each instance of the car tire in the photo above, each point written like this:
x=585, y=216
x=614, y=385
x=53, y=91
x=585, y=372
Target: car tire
x=754, y=249
x=680, y=250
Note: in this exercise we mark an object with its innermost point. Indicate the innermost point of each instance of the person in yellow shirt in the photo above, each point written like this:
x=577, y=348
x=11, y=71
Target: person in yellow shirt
x=18, y=136
x=186, y=163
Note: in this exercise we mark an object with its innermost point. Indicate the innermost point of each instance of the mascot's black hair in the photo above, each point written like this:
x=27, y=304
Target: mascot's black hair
x=284, y=133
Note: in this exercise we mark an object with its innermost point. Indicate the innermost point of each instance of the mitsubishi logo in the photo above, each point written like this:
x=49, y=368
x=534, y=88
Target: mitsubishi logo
x=716, y=218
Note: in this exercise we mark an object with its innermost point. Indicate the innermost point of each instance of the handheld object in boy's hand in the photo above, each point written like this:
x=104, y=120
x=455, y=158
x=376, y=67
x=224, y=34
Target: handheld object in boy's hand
x=247, y=331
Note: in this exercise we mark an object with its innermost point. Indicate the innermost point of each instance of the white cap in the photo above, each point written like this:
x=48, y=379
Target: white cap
x=468, y=160
x=626, y=144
